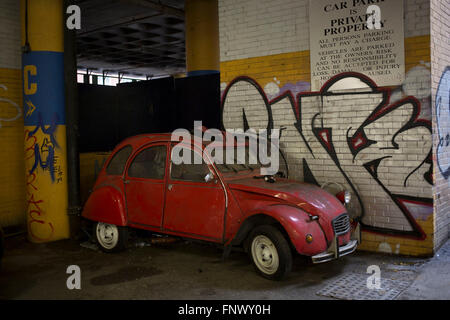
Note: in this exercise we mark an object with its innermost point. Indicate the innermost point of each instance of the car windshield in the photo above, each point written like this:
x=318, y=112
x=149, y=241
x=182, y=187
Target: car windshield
x=238, y=163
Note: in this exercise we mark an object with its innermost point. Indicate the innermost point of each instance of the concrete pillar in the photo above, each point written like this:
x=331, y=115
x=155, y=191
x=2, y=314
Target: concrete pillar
x=202, y=37
x=44, y=120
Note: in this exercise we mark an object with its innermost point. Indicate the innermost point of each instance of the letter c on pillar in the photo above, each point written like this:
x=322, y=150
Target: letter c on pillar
x=29, y=88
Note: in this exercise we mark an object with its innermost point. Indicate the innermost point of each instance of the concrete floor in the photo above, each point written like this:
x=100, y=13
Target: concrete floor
x=185, y=270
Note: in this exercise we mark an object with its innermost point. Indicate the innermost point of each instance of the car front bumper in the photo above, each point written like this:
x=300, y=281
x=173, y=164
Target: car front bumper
x=329, y=255
x=335, y=251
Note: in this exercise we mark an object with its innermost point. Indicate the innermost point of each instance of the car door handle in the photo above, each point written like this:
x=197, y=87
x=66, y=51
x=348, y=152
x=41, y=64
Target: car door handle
x=170, y=187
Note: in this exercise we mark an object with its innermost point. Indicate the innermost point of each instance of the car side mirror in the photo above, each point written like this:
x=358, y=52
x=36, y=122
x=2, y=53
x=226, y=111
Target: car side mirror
x=209, y=177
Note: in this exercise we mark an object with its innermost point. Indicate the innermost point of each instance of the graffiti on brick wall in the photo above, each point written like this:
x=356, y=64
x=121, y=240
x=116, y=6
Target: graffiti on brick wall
x=11, y=111
x=378, y=149
x=442, y=103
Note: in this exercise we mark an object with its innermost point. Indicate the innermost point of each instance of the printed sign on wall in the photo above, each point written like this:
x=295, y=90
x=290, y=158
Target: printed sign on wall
x=348, y=36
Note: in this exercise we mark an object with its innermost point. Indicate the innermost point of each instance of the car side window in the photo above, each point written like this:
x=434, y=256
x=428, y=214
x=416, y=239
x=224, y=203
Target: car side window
x=189, y=172
x=118, y=161
x=149, y=163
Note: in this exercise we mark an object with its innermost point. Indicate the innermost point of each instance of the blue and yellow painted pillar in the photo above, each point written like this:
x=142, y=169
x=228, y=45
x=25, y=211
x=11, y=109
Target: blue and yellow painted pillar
x=44, y=120
x=202, y=37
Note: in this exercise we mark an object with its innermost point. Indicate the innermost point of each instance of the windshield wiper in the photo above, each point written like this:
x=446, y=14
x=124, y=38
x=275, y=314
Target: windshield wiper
x=267, y=178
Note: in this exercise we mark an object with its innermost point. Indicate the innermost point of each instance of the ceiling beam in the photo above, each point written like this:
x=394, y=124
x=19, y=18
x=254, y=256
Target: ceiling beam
x=125, y=22
x=162, y=8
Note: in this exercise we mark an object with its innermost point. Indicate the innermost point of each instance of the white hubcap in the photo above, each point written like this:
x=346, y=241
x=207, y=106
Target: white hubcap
x=107, y=235
x=265, y=254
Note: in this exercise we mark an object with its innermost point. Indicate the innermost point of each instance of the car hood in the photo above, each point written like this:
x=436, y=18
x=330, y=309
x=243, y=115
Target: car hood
x=310, y=198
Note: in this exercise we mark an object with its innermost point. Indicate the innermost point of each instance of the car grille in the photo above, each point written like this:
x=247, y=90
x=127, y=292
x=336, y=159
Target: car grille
x=341, y=224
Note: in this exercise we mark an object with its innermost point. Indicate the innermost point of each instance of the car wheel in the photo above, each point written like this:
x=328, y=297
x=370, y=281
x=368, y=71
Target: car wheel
x=270, y=252
x=110, y=238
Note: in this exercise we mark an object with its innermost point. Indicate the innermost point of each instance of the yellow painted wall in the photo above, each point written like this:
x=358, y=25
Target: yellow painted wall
x=286, y=67
x=12, y=175
x=90, y=165
x=401, y=245
x=295, y=66
x=417, y=50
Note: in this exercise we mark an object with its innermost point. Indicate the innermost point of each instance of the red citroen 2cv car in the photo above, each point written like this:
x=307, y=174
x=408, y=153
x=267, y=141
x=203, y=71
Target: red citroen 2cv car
x=140, y=186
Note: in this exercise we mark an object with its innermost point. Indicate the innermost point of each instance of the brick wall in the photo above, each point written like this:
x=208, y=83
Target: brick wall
x=265, y=74
x=257, y=28
x=10, y=55
x=440, y=83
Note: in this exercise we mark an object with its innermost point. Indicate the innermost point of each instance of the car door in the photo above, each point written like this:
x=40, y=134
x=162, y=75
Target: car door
x=193, y=206
x=145, y=186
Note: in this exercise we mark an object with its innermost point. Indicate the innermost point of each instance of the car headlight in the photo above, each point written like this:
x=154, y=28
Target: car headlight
x=347, y=196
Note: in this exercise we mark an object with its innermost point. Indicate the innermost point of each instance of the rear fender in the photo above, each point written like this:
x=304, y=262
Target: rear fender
x=106, y=204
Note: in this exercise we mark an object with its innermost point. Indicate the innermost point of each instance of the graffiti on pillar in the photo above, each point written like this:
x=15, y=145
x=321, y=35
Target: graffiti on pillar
x=12, y=110
x=442, y=102
x=40, y=147
x=44, y=150
x=30, y=108
x=45, y=133
x=358, y=138
x=36, y=216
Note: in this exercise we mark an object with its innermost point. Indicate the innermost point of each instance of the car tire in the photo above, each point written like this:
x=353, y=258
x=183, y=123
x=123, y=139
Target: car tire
x=270, y=252
x=110, y=238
